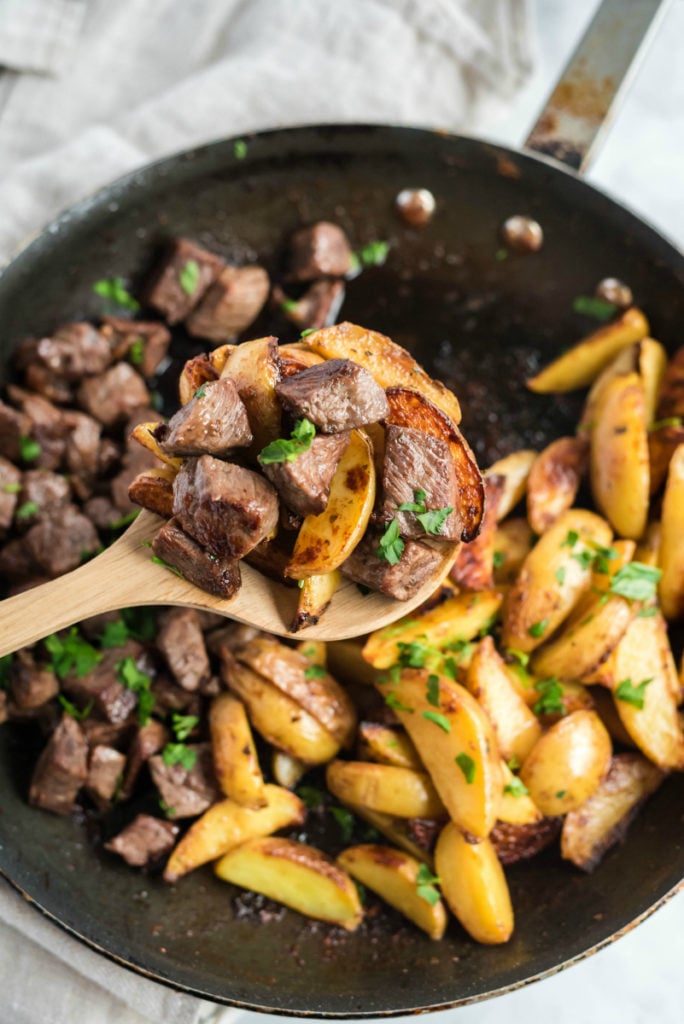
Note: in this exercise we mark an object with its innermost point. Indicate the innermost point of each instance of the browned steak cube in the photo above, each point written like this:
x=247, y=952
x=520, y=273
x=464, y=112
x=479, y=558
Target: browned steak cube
x=322, y=250
x=74, y=351
x=82, y=451
x=144, y=841
x=230, y=305
x=143, y=342
x=48, y=492
x=61, y=770
x=39, y=378
x=218, y=576
x=213, y=422
x=16, y=561
x=148, y=740
x=101, y=688
x=12, y=426
x=102, y=512
x=335, y=395
x=181, y=641
x=186, y=791
x=401, y=581
x=226, y=508
x=31, y=685
x=105, y=773
x=182, y=278
x=60, y=543
x=42, y=423
x=304, y=483
x=10, y=485
x=317, y=307
x=416, y=461
x=152, y=490
x=112, y=396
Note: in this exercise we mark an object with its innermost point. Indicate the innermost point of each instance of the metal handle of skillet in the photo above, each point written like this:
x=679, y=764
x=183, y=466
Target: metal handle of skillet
x=576, y=113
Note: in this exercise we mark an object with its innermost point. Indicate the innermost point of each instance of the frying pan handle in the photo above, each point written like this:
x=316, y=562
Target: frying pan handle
x=576, y=111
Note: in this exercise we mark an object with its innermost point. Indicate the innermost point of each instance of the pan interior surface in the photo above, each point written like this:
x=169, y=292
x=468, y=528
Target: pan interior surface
x=477, y=316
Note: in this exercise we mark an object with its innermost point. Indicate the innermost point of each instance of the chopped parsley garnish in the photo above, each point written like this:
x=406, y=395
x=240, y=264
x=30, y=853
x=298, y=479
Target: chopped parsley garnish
x=115, y=634
x=461, y=648
x=287, y=449
x=432, y=693
x=671, y=421
x=467, y=766
x=373, y=254
x=415, y=653
x=311, y=796
x=631, y=693
x=598, y=309
x=392, y=701
x=141, y=623
x=498, y=559
x=647, y=613
x=11, y=488
x=391, y=546
x=78, y=713
x=635, y=581
x=29, y=449
x=441, y=720
x=5, y=669
x=314, y=672
x=571, y=539
x=136, y=352
x=602, y=558
x=240, y=149
x=584, y=557
x=450, y=668
x=71, y=653
x=167, y=565
x=178, y=753
x=538, y=629
x=514, y=763
x=189, y=277
x=345, y=820
x=289, y=306
x=516, y=787
x=417, y=505
x=501, y=254
x=521, y=657
x=550, y=697
x=28, y=509
x=114, y=290
x=201, y=391
x=561, y=793
x=425, y=885
x=307, y=332
x=183, y=725
x=432, y=520
x=126, y=520
x=128, y=673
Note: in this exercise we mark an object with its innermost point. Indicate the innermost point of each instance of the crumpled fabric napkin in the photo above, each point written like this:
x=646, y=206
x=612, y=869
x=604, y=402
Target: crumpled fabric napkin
x=97, y=89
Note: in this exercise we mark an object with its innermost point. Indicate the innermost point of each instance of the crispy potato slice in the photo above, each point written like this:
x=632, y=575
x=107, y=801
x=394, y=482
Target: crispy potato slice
x=401, y=792
x=254, y=367
x=514, y=842
x=626, y=361
x=311, y=687
x=474, y=886
x=297, y=875
x=515, y=470
x=276, y=716
x=387, y=745
x=346, y=662
x=144, y=435
x=513, y=542
x=652, y=363
x=410, y=408
x=315, y=595
x=517, y=729
x=196, y=372
x=395, y=877
x=287, y=770
x=648, y=549
x=456, y=743
x=326, y=540
x=604, y=705
x=619, y=463
x=538, y=602
x=227, y=824
x=398, y=830
x=517, y=806
x=671, y=556
x=390, y=364
x=153, y=489
x=554, y=480
x=235, y=758
x=218, y=357
x=578, y=367
x=671, y=397
x=568, y=762
x=586, y=639
x=662, y=443
x=459, y=618
x=474, y=565
x=297, y=356
x=602, y=820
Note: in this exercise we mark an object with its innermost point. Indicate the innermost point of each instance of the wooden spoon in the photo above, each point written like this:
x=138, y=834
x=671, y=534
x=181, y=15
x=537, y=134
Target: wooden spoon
x=124, y=576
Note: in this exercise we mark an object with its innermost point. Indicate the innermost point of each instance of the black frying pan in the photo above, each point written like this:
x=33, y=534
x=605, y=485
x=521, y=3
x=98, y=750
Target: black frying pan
x=482, y=325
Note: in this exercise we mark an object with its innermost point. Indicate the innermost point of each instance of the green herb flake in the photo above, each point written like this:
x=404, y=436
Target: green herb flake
x=189, y=277
x=391, y=546
x=28, y=509
x=71, y=653
x=417, y=505
x=636, y=581
x=240, y=149
x=136, y=352
x=516, y=787
x=432, y=693
x=178, y=753
x=500, y=255
x=308, y=331
x=29, y=449
x=551, y=697
x=345, y=820
x=426, y=884
x=498, y=559
x=311, y=796
x=647, y=613
x=432, y=522
x=441, y=720
x=571, y=539
x=603, y=558
x=538, y=629
x=128, y=673
x=671, y=421
x=315, y=672
x=450, y=668
x=78, y=713
x=289, y=306
x=183, y=725
x=514, y=763
x=374, y=254
x=115, y=634
x=126, y=520
x=631, y=694
x=415, y=653
x=141, y=623
x=520, y=657
x=584, y=557
x=561, y=793
x=597, y=309
x=560, y=575
x=11, y=488
x=114, y=290
x=467, y=766
x=287, y=449
x=201, y=391
x=166, y=565
x=392, y=701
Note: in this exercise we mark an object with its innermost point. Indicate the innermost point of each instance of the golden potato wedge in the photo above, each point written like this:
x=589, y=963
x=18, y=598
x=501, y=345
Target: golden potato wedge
x=390, y=364
x=473, y=568
x=552, y=579
x=287, y=770
x=387, y=745
x=347, y=663
x=218, y=357
x=517, y=806
x=144, y=435
x=227, y=824
x=514, y=842
x=153, y=489
x=315, y=652
x=517, y=729
x=671, y=397
x=662, y=442
x=568, y=762
x=671, y=555
x=235, y=758
x=401, y=792
x=604, y=705
x=578, y=367
x=196, y=372
x=647, y=550
x=586, y=639
x=619, y=466
x=554, y=480
x=310, y=686
x=276, y=716
x=515, y=470
x=626, y=361
x=456, y=743
x=457, y=619
x=513, y=542
x=297, y=875
x=602, y=820
x=315, y=594
x=400, y=831
x=297, y=356
x=254, y=367
x=395, y=877
x=652, y=363
x=474, y=886
x=326, y=540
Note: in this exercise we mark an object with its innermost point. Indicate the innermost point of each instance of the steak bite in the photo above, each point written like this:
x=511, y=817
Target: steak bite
x=13, y=425
x=213, y=422
x=322, y=250
x=418, y=462
x=144, y=841
x=143, y=342
x=82, y=453
x=31, y=685
x=49, y=492
x=147, y=741
x=230, y=304
x=401, y=581
x=218, y=576
x=10, y=485
x=186, y=791
x=43, y=423
x=182, y=278
x=74, y=351
x=317, y=307
x=113, y=396
x=335, y=395
x=181, y=641
x=105, y=772
x=226, y=508
x=304, y=483
x=109, y=697
x=60, y=543
x=61, y=770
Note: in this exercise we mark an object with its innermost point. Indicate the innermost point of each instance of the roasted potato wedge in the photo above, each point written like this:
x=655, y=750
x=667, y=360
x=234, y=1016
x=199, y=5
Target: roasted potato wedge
x=554, y=480
x=567, y=763
x=400, y=792
x=399, y=831
x=218, y=357
x=346, y=662
x=515, y=470
x=662, y=442
x=626, y=361
x=235, y=758
x=652, y=363
x=315, y=595
x=648, y=549
x=153, y=490
x=604, y=705
x=602, y=820
x=315, y=652
x=586, y=638
x=517, y=806
x=671, y=555
x=196, y=372
x=474, y=565
x=385, y=745
x=144, y=435
x=513, y=542
x=227, y=824
x=474, y=886
x=297, y=356
x=395, y=877
x=297, y=875
x=254, y=367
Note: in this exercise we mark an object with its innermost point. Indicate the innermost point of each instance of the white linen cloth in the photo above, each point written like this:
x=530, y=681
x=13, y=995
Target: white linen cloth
x=93, y=89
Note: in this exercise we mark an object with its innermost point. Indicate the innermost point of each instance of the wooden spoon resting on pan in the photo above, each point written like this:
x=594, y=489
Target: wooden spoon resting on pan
x=125, y=576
